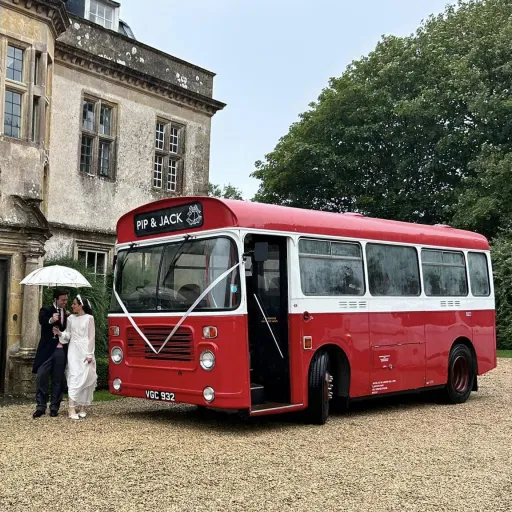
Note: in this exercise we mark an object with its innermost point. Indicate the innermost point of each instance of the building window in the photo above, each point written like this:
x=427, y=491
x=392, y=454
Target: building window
x=22, y=104
x=158, y=171
x=160, y=135
x=169, y=152
x=105, y=120
x=174, y=139
x=97, y=155
x=105, y=158
x=172, y=175
x=88, y=115
x=12, y=119
x=86, y=154
x=101, y=13
x=14, y=63
x=95, y=262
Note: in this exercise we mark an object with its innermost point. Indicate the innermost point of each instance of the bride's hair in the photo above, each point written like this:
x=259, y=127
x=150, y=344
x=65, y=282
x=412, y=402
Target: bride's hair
x=86, y=305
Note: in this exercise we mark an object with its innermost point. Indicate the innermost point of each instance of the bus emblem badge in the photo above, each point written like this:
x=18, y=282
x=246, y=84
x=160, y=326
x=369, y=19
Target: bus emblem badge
x=194, y=216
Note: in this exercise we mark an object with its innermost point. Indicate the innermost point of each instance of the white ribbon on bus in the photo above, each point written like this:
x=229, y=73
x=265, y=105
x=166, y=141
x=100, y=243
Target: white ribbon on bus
x=183, y=318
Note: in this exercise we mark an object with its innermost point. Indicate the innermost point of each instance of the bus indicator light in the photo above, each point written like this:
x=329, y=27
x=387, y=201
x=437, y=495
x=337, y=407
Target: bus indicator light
x=210, y=332
x=114, y=330
x=308, y=342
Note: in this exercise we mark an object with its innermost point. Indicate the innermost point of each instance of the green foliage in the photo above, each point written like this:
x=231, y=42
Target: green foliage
x=485, y=204
x=502, y=268
x=419, y=130
x=103, y=395
x=227, y=191
x=99, y=296
x=406, y=130
x=102, y=371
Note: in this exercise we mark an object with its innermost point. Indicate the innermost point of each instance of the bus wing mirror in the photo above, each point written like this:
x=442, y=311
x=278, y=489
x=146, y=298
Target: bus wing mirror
x=261, y=251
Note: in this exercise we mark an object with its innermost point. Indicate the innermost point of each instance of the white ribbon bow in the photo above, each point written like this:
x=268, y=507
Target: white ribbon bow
x=183, y=318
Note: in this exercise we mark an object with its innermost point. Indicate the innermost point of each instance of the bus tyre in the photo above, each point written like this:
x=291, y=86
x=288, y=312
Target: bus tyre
x=319, y=389
x=461, y=375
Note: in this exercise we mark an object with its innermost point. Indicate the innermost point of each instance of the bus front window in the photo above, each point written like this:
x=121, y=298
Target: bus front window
x=171, y=277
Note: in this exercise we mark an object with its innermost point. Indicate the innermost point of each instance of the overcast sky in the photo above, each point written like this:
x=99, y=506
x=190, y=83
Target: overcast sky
x=271, y=57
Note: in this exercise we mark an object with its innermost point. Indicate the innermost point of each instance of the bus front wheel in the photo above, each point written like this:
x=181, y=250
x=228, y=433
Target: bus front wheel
x=461, y=375
x=320, y=387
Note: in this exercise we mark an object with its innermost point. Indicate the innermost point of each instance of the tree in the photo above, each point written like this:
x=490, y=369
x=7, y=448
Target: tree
x=485, y=204
x=410, y=128
x=502, y=270
x=227, y=191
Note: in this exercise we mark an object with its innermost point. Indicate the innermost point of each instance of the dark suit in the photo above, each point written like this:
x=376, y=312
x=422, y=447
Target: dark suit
x=50, y=360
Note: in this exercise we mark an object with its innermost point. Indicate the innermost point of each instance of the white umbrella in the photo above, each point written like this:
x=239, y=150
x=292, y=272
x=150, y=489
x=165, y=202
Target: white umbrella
x=56, y=275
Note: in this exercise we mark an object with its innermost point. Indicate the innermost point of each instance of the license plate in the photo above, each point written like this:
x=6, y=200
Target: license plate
x=164, y=396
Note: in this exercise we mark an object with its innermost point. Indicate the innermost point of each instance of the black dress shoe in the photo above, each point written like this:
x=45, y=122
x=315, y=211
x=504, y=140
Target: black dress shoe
x=54, y=414
x=38, y=414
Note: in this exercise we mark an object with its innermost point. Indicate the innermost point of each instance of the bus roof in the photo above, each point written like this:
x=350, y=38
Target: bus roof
x=217, y=213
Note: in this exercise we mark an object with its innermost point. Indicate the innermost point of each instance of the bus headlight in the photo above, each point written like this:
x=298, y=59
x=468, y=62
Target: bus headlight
x=208, y=394
x=207, y=360
x=117, y=384
x=116, y=355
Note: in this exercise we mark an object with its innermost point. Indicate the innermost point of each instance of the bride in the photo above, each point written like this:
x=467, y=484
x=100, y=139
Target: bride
x=81, y=369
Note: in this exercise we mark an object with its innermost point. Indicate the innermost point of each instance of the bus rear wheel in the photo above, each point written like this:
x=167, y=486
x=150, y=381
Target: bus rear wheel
x=461, y=375
x=320, y=387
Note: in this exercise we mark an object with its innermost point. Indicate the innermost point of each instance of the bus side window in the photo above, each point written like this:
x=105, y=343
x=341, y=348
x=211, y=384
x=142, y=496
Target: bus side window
x=479, y=274
x=444, y=273
x=393, y=270
x=379, y=280
x=330, y=268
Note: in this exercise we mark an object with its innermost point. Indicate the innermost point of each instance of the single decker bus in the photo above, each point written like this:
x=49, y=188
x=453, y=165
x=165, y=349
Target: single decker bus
x=265, y=309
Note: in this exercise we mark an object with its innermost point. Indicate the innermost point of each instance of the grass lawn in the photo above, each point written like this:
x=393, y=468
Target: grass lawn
x=504, y=353
x=101, y=395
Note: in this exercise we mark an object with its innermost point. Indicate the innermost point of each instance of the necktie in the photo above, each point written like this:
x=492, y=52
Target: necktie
x=61, y=313
x=59, y=345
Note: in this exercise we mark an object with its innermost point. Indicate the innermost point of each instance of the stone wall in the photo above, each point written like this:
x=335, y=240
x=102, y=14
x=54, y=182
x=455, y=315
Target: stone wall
x=31, y=27
x=80, y=201
x=112, y=46
x=46, y=202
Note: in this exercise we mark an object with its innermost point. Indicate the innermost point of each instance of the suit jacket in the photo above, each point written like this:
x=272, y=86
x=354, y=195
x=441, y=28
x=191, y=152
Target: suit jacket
x=47, y=343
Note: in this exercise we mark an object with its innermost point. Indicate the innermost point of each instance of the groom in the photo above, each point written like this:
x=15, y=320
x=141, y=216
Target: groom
x=51, y=355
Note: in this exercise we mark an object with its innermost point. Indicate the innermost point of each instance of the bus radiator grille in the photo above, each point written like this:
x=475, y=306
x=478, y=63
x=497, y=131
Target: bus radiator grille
x=178, y=348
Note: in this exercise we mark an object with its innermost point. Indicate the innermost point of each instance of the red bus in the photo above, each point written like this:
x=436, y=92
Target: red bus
x=266, y=309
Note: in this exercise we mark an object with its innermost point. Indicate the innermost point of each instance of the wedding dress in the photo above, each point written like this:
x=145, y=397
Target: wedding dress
x=80, y=375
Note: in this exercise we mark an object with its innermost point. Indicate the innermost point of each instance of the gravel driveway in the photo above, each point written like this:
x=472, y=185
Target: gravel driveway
x=400, y=455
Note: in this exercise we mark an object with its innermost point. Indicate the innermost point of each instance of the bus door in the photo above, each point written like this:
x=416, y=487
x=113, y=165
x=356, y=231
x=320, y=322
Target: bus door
x=267, y=302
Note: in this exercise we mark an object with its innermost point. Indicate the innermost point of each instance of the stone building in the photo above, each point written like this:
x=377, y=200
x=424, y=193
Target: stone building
x=94, y=123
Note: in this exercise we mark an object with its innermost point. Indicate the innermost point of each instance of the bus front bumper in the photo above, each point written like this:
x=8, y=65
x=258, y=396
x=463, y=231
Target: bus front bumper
x=174, y=394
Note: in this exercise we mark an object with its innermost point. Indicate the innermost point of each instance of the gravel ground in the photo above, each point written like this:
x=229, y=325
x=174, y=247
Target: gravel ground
x=133, y=455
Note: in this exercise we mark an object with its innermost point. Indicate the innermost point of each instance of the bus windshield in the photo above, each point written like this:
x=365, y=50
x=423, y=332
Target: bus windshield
x=171, y=277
